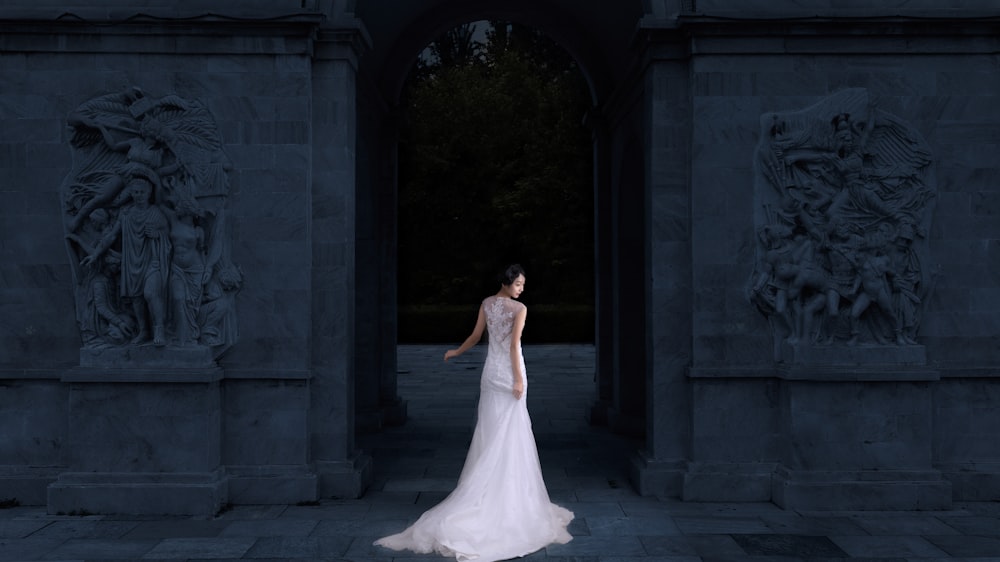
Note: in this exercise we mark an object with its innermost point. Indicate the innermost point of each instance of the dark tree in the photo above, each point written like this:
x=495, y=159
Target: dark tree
x=495, y=166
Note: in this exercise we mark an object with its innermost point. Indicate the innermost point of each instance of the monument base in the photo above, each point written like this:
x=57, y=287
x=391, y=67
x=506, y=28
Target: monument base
x=847, y=356
x=26, y=485
x=147, y=356
x=973, y=482
x=728, y=482
x=896, y=490
x=142, y=442
x=271, y=485
x=130, y=493
x=344, y=479
x=651, y=477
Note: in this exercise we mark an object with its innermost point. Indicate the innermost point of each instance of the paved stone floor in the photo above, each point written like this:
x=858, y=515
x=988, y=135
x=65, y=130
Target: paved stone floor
x=585, y=470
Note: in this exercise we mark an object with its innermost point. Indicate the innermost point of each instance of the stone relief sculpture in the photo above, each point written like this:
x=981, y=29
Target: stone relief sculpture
x=145, y=213
x=843, y=203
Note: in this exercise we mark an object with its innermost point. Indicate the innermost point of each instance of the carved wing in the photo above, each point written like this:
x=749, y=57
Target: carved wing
x=105, y=115
x=193, y=135
x=895, y=149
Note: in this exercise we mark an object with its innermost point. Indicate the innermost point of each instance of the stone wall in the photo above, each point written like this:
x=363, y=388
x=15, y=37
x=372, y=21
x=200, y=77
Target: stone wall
x=232, y=427
x=832, y=418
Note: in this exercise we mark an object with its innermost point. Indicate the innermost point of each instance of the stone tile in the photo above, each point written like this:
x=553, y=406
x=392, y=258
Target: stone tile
x=252, y=512
x=967, y=546
x=284, y=548
x=705, y=525
x=92, y=549
x=904, y=524
x=354, y=527
x=888, y=546
x=201, y=548
x=332, y=510
x=622, y=525
x=609, y=494
x=175, y=529
x=270, y=528
x=598, y=546
x=793, y=523
x=20, y=528
x=645, y=507
x=26, y=549
x=420, y=485
x=666, y=546
x=716, y=546
x=594, y=509
x=90, y=528
x=788, y=545
x=578, y=527
x=974, y=525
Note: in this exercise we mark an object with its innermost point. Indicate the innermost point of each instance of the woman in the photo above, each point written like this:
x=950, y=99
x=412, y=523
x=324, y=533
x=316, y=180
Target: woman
x=500, y=508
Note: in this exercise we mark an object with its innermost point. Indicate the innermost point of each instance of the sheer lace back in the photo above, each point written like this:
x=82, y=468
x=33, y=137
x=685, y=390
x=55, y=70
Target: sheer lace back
x=500, y=313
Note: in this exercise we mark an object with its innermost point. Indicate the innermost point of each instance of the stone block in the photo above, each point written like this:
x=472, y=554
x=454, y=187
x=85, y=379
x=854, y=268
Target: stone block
x=651, y=477
x=344, y=479
x=142, y=441
x=132, y=493
x=271, y=485
x=266, y=420
x=728, y=482
x=973, y=482
x=881, y=490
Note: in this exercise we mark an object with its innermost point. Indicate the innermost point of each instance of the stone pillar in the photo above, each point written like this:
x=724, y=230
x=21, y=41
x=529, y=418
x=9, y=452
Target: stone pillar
x=341, y=469
x=658, y=469
x=603, y=279
x=378, y=405
x=630, y=279
x=391, y=405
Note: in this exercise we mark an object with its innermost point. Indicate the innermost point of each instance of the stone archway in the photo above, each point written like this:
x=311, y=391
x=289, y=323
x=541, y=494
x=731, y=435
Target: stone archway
x=603, y=53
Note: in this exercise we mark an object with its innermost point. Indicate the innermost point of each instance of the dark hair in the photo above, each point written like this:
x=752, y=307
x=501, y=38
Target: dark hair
x=508, y=275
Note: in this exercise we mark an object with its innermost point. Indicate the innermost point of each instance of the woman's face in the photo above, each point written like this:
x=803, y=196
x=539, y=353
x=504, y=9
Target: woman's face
x=516, y=287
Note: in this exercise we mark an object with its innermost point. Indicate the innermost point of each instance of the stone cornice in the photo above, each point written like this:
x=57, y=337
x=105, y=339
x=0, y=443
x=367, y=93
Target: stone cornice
x=823, y=35
x=209, y=33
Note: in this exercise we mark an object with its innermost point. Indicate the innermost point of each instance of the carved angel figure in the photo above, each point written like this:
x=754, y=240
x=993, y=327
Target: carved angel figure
x=170, y=238
x=854, y=181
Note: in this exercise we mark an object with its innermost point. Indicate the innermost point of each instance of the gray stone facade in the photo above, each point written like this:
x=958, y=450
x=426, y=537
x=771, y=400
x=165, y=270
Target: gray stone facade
x=303, y=96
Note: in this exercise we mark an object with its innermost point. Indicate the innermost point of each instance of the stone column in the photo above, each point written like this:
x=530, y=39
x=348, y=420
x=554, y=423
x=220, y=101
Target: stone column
x=658, y=469
x=342, y=470
x=604, y=287
x=378, y=405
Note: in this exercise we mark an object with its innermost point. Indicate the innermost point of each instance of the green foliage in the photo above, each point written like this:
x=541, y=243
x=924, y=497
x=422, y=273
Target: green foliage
x=495, y=167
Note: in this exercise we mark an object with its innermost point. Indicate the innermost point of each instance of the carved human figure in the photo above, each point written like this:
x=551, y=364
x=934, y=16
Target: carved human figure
x=843, y=174
x=872, y=287
x=217, y=314
x=170, y=232
x=767, y=290
x=187, y=271
x=143, y=230
x=102, y=320
x=142, y=151
x=807, y=286
x=905, y=285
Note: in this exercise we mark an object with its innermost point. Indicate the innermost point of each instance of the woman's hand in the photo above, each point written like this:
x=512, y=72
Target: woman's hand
x=518, y=389
x=451, y=353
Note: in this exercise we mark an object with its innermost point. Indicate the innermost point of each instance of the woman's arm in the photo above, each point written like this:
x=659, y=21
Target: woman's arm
x=477, y=334
x=515, y=351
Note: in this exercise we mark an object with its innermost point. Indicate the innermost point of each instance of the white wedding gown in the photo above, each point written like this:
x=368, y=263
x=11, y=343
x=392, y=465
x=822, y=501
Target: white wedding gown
x=500, y=508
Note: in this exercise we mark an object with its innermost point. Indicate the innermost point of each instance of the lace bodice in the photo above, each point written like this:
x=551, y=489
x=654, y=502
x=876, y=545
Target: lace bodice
x=500, y=313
